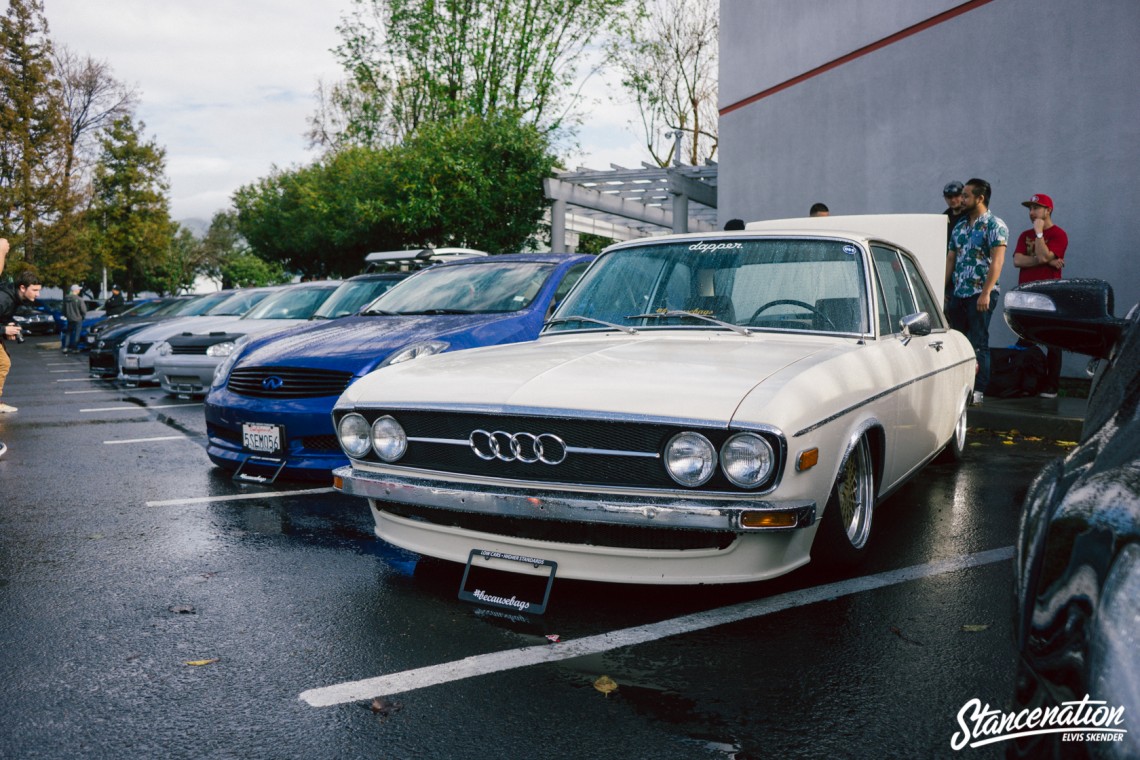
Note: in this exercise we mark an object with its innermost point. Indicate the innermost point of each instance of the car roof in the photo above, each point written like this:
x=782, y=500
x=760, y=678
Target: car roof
x=541, y=258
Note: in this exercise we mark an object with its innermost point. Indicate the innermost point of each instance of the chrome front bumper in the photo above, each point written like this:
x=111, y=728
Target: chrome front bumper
x=667, y=510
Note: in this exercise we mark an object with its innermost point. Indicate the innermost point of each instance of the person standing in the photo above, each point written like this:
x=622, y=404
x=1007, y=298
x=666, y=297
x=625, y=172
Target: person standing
x=952, y=194
x=973, y=266
x=26, y=289
x=115, y=303
x=3, y=259
x=819, y=209
x=74, y=310
x=1040, y=255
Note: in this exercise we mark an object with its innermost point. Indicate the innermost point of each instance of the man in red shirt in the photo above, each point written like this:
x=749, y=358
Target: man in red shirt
x=1040, y=255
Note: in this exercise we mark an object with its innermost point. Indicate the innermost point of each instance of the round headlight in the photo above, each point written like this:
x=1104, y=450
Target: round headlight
x=690, y=459
x=352, y=432
x=389, y=440
x=746, y=459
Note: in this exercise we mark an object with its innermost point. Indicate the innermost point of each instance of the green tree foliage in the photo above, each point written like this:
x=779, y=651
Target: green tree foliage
x=129, y=209
x=227, y=256
x=32, y=144
x=474, y=182
x=411, y=62
x=588, y=243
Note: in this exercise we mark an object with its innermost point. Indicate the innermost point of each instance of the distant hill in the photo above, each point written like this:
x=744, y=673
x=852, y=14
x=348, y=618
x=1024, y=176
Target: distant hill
x=199, y=227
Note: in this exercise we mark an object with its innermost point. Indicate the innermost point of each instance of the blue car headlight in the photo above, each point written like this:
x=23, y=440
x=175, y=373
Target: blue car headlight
x=415, y=351
x=222, y=372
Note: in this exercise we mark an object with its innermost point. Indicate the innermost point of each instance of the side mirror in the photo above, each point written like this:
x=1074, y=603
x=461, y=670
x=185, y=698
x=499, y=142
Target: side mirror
x=915, y=325
x=1074, y=315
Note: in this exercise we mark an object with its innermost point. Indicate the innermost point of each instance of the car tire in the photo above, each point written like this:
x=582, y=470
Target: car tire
x=956, y=447
x=845, y=530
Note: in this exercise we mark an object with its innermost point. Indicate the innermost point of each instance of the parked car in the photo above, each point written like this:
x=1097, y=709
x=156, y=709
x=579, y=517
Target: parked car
x=32, y=321
x=106, y=338
x=184, y=362
x=1077, y=566
x=137, y=355
x=414, y=260
x=54, y=307
x=705, y=408
x=140, y=312
x=273, y=401
x=357, y=292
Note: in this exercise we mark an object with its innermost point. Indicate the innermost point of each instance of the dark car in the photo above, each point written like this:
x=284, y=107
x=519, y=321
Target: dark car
x=32, y=321
x=271, y=401
x=1077, y=571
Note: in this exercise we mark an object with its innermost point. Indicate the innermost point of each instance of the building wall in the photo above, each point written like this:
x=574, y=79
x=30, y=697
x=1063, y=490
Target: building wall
x=1032, y=95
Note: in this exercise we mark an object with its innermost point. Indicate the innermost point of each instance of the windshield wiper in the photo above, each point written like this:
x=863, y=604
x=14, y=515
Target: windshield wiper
x=379, y=313
x=694, y=315
x=576, y=318
x=439, y=311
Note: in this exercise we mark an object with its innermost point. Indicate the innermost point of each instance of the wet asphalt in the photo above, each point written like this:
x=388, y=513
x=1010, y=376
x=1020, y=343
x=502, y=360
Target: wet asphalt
x=146, y=612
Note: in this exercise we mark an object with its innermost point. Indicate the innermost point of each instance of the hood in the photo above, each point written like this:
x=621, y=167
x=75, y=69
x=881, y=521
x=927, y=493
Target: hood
x=691, y=374
x=202, y=324
x=358, y=344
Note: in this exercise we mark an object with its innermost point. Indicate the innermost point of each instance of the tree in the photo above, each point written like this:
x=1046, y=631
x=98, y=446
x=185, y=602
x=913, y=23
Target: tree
x=667, y=57
x=227, y=256
x=411, y=62
x=474, y=182
x=129, y=207
x=32, y=144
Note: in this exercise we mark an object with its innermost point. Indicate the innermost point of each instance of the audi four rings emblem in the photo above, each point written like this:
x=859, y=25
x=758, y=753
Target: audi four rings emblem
x=527, y=448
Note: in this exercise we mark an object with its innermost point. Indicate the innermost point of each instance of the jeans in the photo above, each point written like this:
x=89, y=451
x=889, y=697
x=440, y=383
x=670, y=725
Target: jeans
x=70, y=339
x=965, y=317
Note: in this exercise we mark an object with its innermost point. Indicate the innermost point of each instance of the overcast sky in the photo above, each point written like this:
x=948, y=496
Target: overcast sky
x=226, y=86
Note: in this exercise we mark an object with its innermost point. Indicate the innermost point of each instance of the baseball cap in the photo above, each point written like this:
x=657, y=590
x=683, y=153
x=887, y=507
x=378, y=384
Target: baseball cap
x=952, y=188
x=1039, y=199
x=75, y=288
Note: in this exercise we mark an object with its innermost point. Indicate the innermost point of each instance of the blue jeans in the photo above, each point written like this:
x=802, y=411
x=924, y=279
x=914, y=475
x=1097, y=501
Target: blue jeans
x=965, y=317
x=70, y=339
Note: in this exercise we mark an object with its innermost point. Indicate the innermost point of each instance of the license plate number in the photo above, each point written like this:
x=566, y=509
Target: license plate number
x=132, y=362
x=262, y=437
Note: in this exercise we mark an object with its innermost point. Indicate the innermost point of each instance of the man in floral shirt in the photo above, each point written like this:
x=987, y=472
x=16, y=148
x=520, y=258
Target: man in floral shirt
x=973, y=266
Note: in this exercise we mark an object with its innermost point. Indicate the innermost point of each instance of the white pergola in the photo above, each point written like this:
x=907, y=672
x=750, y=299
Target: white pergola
x=623, y=204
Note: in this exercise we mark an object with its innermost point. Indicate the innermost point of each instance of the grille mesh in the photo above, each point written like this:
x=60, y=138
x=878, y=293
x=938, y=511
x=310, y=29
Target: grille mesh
x=294, y=382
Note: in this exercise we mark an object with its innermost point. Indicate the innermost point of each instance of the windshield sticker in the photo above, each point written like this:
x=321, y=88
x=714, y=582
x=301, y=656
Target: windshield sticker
x=849, y=250
x=710, y=247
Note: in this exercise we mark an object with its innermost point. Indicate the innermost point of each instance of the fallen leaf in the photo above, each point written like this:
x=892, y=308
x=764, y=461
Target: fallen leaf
x=605, y=685
x=1034, y=438
x=202, y=662
x=1008, y=443
x=554, y=638
x=975, y=443
x=975, y=628
x=1067, y=444
x=182, y=609
x=384, y=708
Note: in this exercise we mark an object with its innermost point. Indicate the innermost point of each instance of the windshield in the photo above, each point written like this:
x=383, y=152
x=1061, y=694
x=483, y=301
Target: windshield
x=143, y=309
x=466, y=289
x=352, y=295
x=291, y=303
x=777, y=284
x=204, y=304
x=239, y=303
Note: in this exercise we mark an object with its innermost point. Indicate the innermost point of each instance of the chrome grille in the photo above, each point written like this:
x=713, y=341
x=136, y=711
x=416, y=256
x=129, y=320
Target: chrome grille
x=288, y=382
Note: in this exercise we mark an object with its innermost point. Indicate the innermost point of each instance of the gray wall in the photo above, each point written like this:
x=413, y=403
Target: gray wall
x=1032, y=95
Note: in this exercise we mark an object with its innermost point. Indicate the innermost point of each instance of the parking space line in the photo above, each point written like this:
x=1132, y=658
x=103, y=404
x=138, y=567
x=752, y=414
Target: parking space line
x=66, y=371
x=72, y=379
x=145, y=440
x=237, y=497
x=494, y=662
x=135, y=408
x=93, y=390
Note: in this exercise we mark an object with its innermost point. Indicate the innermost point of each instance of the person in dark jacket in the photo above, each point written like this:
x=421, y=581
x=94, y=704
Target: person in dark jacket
x=115, y=303
x=75, y=311
x=26, y=289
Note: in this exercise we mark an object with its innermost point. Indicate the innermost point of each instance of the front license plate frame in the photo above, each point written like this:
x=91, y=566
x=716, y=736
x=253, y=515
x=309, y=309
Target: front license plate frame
x=254, y=437
x=500, y=588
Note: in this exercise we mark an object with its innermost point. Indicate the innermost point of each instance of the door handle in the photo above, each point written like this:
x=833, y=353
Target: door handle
x=935, y=344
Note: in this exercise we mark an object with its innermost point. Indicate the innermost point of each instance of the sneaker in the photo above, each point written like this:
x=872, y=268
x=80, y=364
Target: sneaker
x=7, y=408
x=3, y=448
x=1048, y=394
x=977, y=399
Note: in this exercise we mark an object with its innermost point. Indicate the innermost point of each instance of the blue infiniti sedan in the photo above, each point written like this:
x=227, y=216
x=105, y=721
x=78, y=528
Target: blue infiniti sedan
x=269, y=409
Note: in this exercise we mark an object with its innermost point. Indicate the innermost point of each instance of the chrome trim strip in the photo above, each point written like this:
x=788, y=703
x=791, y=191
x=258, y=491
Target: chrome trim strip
x=878, y=396
x=641, y=510
x=569, y=449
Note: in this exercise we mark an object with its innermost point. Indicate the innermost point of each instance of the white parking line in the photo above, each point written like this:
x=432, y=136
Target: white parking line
x=66, y=371
x=72, y=380
x=135, y=408
x=237, y=497
x=145, y=440
x=494, y=662
x=94, y=390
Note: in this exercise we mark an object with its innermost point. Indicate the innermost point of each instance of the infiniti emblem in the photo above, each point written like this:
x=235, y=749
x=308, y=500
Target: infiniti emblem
x=272, y=383
x=526, y=448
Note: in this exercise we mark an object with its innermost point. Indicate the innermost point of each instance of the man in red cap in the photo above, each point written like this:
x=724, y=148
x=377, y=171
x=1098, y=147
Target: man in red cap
x=1040, y=255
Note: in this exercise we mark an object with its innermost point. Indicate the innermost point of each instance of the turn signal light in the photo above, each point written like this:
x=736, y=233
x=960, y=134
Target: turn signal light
x=338, y=482
x=807, y=459
x=768, y=519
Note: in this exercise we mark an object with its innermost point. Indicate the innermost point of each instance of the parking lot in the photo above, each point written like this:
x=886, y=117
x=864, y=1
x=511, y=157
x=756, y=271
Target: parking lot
x=152, y=607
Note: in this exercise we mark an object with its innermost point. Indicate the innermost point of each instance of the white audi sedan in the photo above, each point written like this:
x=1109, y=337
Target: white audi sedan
x=704, y=408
